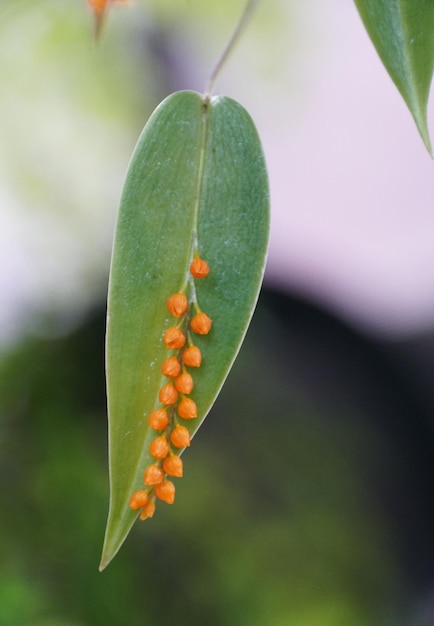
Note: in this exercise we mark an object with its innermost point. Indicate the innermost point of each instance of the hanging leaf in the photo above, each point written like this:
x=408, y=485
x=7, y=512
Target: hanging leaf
x=403, y=33
x=196, y=190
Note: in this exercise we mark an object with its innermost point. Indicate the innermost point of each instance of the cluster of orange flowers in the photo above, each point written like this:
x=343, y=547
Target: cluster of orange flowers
x=176, y=403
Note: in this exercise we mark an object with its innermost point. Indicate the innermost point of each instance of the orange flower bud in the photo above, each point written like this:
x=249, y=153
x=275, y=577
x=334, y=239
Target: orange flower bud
x=159, y=448
x=192, y=356
x=187, y=409
x=199, y=268
x=165, y=491
x=99, y=8
x=168, y=394
x=153, y=475
x=173, y=466
x=139, y=499
x=177, y=304
x=184, y=383
x=171, y=367
x=98, y=5
x=201, y=324
x=148, y=510
x=180, y=437
x=158, y=419
x=174, y=338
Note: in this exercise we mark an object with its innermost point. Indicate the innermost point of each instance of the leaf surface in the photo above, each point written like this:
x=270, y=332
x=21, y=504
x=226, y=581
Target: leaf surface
x=402, y=31
x=197, y=182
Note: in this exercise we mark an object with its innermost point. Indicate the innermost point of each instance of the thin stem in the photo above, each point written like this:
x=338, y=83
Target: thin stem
x=242, y=23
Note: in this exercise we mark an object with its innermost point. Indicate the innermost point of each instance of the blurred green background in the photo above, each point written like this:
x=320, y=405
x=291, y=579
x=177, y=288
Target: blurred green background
x=308, y=493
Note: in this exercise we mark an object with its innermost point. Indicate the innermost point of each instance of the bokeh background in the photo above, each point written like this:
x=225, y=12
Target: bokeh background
x=308, y=495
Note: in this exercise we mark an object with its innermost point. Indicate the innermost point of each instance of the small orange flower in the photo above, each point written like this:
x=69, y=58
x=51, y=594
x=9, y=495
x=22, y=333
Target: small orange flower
x=171, y=367
x=173, y=466
x=148, y=510
x=177, y=304
x=180, y=437
x=184, y=383
x=153, y=475
x=158, y=419
x=199, y=268
x=99, y=6
x=159, y=448
x=139, y=499
x=201, y=324
x=192, y=356
x=168, y=394
x=187, y=409
x=174, y=338
x=165, y=491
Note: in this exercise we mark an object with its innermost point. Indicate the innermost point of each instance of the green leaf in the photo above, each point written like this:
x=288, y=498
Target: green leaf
x=197, y=183
x=403, y=33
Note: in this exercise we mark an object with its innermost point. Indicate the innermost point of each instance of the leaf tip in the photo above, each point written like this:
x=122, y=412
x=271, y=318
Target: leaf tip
x=427, y=141
x=421, y=121
x=107, y=556
x=105, y=560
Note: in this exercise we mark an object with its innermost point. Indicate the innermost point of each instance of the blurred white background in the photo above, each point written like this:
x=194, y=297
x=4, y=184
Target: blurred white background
x=352, y=186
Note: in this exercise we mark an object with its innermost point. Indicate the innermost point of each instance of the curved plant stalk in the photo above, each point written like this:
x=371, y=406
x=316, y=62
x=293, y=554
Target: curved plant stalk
x=236, y=35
